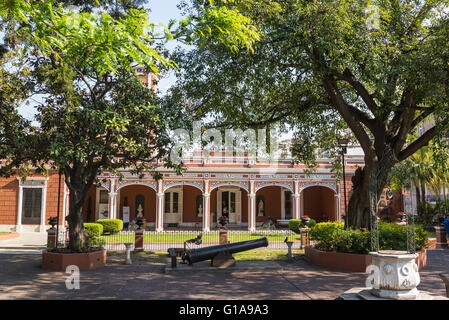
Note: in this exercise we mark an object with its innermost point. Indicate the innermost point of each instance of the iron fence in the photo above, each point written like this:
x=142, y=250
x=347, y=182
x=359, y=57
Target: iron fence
x=161, y=241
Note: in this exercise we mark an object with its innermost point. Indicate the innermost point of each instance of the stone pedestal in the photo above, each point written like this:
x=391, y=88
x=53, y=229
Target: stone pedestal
x=52, y=238
x=394, y=275
x=128, y=253
x=223, y=260
x=441, y=237
x=138, y=241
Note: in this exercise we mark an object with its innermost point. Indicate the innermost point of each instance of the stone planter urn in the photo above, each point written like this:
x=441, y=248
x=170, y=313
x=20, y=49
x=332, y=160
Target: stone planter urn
x=395, y=275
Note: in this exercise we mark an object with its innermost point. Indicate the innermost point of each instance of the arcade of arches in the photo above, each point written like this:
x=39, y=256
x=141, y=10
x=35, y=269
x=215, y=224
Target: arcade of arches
x=183, y=205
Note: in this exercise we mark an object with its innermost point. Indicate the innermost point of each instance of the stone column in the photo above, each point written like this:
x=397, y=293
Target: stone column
x=112, y=205
x=296, y=205
x=19, y=209
x=337, y=206
x=251, y=212
x=159, y=207
x=206, y=212
x=43, y=207
x=65, y=205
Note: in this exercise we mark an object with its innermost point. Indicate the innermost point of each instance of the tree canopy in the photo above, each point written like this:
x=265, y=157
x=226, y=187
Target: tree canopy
x=378, y=68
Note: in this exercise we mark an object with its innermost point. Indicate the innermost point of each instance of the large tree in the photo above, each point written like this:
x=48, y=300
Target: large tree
x=378, y=68
x=95, y=114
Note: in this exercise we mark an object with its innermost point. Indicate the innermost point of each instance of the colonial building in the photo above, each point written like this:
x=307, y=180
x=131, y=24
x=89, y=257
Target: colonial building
x=249, y=192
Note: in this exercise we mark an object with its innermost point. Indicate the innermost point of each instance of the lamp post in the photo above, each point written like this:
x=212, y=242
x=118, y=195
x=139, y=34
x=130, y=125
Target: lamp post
x=59, y=202
x=343, y=143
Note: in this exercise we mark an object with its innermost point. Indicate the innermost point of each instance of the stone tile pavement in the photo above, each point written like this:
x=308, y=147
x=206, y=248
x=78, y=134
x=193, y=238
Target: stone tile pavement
x=21, y=277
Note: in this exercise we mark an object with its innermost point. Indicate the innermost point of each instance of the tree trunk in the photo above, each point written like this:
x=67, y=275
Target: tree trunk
x=359, y=204
x=77, y=234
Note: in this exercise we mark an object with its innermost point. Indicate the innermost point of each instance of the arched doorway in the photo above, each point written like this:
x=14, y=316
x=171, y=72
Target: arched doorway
x=138, y=201
x=319, y=203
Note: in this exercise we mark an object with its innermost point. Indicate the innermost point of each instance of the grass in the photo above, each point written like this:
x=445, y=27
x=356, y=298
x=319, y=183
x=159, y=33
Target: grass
x=163, y=258
x=207, y=238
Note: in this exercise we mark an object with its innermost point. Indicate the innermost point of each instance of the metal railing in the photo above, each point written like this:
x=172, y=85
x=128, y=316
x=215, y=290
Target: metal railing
x=161, y=241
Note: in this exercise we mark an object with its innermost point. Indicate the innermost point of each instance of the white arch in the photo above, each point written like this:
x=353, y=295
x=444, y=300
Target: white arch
x=285, y=184
x=147, y=183
x=329, y=185
x=174, y=183
x=240, y=184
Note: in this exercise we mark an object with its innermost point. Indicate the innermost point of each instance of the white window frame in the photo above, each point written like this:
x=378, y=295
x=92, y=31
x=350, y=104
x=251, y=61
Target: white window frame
x=32, y=182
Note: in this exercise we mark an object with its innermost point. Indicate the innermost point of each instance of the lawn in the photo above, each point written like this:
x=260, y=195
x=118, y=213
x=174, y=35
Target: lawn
x=163, y=258
x=206, y=238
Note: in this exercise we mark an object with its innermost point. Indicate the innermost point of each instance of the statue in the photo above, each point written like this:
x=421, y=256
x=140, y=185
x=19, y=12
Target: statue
x=140, y=211
x=260, y=207
x=200, y=211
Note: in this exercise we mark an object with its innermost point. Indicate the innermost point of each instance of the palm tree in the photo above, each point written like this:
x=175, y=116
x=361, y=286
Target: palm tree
x=421, y=173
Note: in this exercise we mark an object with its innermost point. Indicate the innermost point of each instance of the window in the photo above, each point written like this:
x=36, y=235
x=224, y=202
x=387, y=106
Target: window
x=103, y=196
x=32, y=205
x=171, y=202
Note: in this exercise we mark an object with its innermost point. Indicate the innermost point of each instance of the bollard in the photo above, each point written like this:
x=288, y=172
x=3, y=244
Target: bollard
x=441, y=238
x=52, y=237
x=128, y=253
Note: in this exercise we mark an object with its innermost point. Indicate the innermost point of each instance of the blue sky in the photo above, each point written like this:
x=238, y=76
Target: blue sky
x=161, y=12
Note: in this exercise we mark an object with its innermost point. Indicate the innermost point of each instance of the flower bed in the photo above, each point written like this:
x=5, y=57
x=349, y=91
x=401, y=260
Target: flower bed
x=347, y=250
x=349, y=261
x=84, y=261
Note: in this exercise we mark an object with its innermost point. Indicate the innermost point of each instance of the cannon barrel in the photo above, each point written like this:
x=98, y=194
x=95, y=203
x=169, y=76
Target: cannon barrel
x=201, y=254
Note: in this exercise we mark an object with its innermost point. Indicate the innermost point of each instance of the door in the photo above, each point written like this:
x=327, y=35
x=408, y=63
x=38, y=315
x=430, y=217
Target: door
x=173, y=206
x=229, y=204
x=32, y=205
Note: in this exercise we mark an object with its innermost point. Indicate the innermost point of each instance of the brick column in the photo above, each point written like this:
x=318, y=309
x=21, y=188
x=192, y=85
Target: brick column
x=52, y=238
x=441, y=237
x=138, y=240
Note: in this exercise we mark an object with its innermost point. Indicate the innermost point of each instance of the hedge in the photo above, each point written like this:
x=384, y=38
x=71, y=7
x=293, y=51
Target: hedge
x=332, y=236
x=295, y=224
x=111, y=226
x=93, y=230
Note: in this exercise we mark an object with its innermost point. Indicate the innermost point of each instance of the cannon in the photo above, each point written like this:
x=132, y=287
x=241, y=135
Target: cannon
x=221, y=255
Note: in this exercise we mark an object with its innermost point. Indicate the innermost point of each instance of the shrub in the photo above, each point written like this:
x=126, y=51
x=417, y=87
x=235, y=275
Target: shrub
x=332, y=236
x=296, y=224
x=93, y=230
x=111, y=226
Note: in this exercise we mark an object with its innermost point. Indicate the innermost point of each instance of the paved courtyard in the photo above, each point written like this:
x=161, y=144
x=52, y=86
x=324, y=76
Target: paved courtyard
x=21, y=277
